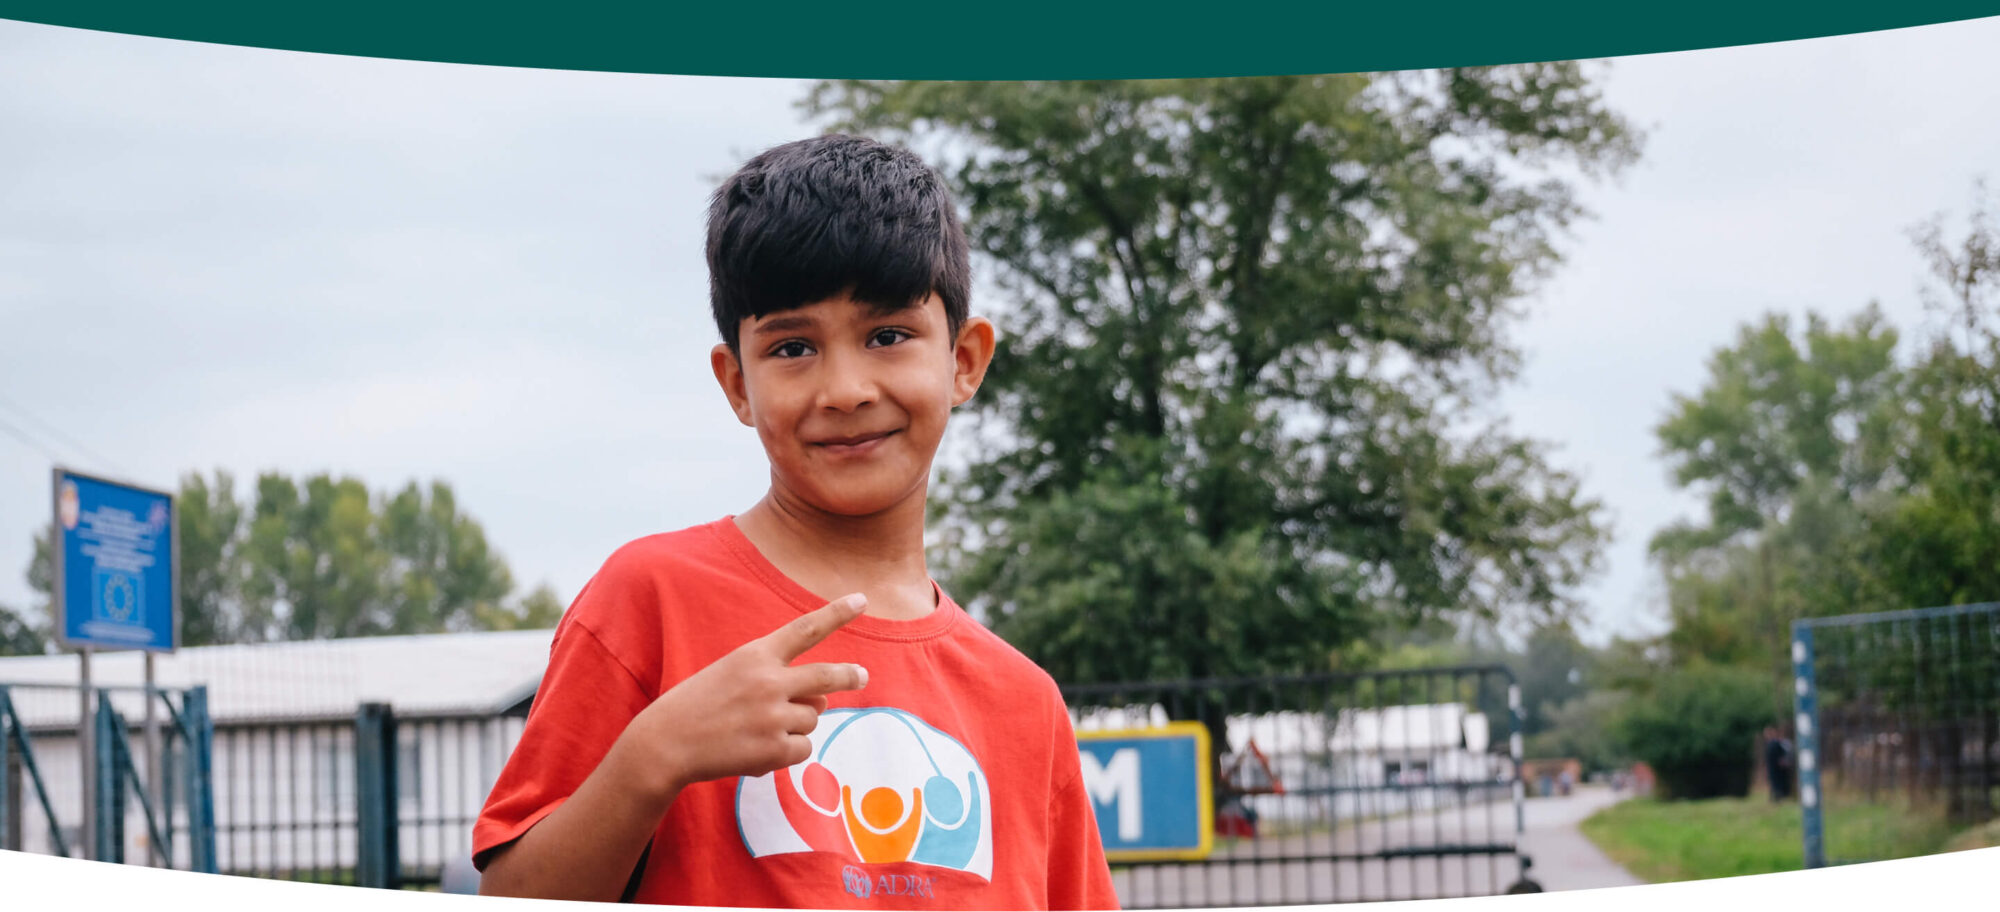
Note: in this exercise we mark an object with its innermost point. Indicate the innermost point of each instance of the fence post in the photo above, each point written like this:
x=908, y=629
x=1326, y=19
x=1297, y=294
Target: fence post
x=1515, y=715
x=1806, y=729
x=380, y=860
x=8, y=838
x=199, y=737
x=108, y=817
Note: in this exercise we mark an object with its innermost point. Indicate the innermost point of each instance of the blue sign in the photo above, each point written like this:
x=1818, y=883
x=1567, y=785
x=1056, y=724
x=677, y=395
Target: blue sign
x=1151, y=790
x=114, y=565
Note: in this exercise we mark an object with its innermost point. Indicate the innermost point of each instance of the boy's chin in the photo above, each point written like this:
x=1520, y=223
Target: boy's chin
x=856, y=501
x=857, y=507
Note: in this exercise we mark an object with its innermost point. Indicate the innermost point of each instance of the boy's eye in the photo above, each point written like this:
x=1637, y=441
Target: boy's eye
x=887, y=337
x=792, y=349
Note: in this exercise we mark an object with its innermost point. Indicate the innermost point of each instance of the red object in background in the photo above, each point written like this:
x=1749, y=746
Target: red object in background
x=1642, y=779
x=1231, y=821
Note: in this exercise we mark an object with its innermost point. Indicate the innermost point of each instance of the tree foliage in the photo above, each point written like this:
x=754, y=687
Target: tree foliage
x=1697, y=728
x=1585, y=727
x=18, y=636
x=1840, y=478
x=1783, y=412
x=1248, y=326
x=1794, y=436
x=324, y=557
x=1940, y=543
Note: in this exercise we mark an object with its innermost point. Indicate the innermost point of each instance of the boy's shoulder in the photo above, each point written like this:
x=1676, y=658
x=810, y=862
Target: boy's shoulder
x=630, y=584
x=1000, y=661
x=697, y=544
x=1001, y=651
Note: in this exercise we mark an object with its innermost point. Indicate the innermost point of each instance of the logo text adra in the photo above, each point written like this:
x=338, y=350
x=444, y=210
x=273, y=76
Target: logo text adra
x=860, y=884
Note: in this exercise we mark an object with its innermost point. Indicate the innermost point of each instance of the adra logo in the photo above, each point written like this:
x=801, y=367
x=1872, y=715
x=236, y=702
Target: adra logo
x=881, y=787
x=856, y=881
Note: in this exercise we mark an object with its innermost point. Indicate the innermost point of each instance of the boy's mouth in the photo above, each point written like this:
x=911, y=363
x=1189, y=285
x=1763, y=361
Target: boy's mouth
x=853, y=444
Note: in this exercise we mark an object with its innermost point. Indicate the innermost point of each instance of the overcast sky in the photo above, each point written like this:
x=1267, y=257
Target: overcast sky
x=218, y=257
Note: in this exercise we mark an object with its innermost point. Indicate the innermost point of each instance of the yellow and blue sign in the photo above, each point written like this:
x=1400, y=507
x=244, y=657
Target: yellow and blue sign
x=114, y=565
x=1152, y=791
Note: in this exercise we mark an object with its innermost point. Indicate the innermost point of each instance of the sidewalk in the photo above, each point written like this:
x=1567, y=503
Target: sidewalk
x=1564, y=859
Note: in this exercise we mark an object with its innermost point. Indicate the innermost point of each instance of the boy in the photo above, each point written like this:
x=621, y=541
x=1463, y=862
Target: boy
x=717, y=728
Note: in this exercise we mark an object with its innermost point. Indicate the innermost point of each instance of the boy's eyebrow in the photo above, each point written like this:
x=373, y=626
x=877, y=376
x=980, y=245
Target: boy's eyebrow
x=786, y=323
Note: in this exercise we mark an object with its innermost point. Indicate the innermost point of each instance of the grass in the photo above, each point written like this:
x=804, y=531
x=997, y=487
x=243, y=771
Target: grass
x=1694, y=840
x=1984, y=836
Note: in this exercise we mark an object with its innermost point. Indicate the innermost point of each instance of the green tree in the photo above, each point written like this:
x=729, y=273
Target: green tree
x=18, y=636
x=446, y=576
x=540, y=609
x=212, y=567
x=1553, y=668
x=316, y=570
x=1584, y=727
x=1792, y=440
x=1247, y=328
x=327, y=559
x=1941, y=544
x=1697, y=728
x=1780, y=411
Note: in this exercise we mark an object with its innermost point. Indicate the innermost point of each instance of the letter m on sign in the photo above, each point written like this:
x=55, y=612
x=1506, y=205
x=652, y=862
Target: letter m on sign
x=1116, y=783
x=1149, y=789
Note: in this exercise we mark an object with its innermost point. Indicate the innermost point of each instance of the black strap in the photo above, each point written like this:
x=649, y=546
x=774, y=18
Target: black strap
x=631, y=893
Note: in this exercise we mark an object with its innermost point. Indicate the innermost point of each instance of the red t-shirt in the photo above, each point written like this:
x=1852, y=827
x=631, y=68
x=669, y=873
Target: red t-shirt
x=951, y=782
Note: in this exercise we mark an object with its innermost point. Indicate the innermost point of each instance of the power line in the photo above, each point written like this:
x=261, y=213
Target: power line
x=52, y=431
x=32, y=443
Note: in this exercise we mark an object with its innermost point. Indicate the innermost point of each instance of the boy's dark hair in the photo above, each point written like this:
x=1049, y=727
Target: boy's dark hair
x=808, y=220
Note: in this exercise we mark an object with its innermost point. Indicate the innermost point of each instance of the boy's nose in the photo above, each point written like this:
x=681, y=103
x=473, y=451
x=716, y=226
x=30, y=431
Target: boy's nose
x=848, y=385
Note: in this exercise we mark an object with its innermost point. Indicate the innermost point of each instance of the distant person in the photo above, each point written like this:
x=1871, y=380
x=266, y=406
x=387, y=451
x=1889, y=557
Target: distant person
x=719, y=725
x=1777, y=763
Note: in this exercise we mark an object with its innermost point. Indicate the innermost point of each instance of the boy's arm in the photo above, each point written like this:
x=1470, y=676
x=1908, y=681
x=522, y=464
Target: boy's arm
x=588, y=846
x=745, y=715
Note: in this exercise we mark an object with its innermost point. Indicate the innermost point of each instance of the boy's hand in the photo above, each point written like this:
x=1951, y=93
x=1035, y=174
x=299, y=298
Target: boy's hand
x=749, y=712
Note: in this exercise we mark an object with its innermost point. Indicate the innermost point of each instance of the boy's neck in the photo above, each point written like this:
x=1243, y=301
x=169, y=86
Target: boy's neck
x=880, y=555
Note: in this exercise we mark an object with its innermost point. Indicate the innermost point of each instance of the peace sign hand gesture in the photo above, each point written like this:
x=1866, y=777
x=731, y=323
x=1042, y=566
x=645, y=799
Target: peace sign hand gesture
x=750, y=711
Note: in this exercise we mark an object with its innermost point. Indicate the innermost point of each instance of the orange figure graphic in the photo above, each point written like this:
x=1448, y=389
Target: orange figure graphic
x=882, y=828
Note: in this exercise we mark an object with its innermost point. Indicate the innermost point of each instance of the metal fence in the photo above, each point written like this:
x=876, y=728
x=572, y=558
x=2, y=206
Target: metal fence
x=1898, y=729
x=1328, y=788
x=147, y=786
x=1338, y=787
x=328, y=801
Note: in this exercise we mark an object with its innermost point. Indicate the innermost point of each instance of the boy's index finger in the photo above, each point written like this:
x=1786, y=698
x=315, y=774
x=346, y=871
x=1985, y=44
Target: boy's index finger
x=805, y=632
x=828, y=678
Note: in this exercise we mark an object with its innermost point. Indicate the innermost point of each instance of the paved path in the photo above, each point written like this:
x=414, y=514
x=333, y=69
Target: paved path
x=1265, y=874
x=1564, y=859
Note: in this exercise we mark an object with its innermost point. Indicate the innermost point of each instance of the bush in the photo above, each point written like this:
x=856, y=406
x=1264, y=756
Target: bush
x=1584, y=728
x=1698, y=729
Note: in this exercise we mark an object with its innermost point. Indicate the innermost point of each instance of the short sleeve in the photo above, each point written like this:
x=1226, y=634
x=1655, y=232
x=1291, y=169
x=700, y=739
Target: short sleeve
x=586, y=698
x=1078, y=875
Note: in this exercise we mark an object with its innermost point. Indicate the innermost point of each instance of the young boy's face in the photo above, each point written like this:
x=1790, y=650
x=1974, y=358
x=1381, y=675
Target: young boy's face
x=850, y=404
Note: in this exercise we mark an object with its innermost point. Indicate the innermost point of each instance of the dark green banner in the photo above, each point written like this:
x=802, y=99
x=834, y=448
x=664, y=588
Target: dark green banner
x=1036, y=39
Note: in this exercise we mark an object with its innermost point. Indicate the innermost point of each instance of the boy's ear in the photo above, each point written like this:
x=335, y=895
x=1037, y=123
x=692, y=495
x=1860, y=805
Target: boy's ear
x=971, y=356
x=729, y=375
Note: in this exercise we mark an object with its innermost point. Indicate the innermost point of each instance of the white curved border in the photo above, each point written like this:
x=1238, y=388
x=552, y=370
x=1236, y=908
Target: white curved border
x=1956, y=880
